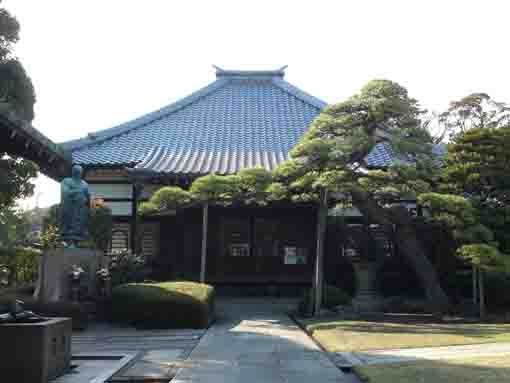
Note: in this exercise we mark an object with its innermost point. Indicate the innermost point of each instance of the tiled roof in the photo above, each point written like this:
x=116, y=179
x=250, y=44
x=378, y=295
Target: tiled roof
x=243, y=119
x=383, y=155
x=162, y=160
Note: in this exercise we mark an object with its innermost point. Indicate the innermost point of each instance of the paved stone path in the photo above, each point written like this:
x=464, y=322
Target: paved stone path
x=105, y=337
x=257, y=342
x=146, y=355
x=345, y=359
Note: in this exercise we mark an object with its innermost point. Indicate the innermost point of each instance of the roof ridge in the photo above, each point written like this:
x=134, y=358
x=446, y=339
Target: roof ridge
x=220, y=72
x=106, y=134
x=300, y=94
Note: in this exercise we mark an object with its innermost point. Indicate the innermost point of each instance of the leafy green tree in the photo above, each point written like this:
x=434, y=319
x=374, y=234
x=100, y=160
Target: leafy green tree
x=248, y=186
x=473, y=197
x=215, y=189
x=477, y=164
x=14, y=230
x=475, y=111
x=16, y=175
x=166, y=198
x=17, y=91
x=328, y=166
x=15, y=86
x=14, y=227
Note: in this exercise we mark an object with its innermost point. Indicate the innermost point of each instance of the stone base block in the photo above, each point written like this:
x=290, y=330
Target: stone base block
x=54, y=267
x=35, y=352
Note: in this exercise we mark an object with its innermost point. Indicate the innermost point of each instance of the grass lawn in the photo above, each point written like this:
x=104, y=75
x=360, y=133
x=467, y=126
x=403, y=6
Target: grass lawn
x=494, y=369
x=338, y=335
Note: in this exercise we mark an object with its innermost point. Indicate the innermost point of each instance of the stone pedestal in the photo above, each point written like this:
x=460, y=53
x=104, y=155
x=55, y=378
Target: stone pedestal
x=54, y=283
x=35, y=352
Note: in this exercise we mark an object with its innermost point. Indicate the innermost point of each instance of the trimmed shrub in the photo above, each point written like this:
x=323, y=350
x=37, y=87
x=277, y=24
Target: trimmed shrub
x=164, y=305
x=331, y=297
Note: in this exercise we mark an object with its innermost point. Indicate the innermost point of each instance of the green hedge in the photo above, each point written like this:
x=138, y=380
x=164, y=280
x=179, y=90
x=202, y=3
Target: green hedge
x=331, y=297
x=164, y=305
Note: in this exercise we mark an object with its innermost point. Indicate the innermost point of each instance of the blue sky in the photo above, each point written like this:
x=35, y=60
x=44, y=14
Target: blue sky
x=95, y=64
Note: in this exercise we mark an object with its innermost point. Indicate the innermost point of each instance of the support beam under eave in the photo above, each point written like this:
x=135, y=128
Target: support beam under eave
x=204, y=242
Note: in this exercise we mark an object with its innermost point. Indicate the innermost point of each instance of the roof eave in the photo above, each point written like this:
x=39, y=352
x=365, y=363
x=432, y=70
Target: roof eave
x=20, y=138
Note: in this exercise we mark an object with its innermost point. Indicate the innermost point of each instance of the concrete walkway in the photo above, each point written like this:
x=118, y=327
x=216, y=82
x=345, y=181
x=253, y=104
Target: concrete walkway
x=255, y=341
x=114, y=353
x=426, y=353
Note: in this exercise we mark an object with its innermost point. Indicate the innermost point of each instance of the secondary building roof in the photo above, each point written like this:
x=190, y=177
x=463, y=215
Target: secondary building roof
x=242, y=119
x=19, y=138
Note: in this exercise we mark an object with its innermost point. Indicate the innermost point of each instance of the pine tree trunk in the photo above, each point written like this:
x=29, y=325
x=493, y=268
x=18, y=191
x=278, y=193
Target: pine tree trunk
x=408, y=244
x=322, y=215
x=475, y=289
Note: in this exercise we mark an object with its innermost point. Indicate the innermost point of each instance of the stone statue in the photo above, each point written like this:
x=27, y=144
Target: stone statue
x=74, y=207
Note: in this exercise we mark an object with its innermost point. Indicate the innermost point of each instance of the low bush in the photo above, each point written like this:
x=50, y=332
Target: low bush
x=404, y=305
x=164, y=305
x=331, y=297
x=20, y=263
x=126, y=267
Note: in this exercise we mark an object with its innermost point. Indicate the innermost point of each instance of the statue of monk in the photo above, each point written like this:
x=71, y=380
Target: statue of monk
x=74, y=207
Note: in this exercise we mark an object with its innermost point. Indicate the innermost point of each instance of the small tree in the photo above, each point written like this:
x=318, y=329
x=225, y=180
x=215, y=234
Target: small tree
x=483, y=257
x=50, y=228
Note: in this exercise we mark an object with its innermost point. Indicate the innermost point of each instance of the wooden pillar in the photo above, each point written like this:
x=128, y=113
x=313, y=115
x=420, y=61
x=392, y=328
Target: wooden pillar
x=204, y=242
x=322, y=215
x=137, y=190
